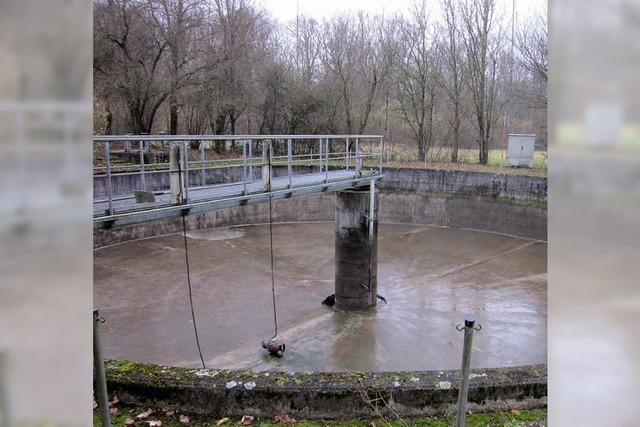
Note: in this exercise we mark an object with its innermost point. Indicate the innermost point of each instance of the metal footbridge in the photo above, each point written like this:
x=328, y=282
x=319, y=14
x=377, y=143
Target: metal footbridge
x=141, y=178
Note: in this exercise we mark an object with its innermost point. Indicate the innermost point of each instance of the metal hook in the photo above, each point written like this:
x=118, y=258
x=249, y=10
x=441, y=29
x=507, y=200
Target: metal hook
x=478, y=327
x=458, y=328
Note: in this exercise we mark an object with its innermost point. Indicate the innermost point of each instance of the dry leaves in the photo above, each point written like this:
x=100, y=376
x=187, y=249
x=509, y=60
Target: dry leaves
x=184, y=419
x=155, y=423
x=129, y=422
x=145, y=414
x=113, y=411
x=284, y=418
x=222, y=421
x=169, y=413
x=246, y=420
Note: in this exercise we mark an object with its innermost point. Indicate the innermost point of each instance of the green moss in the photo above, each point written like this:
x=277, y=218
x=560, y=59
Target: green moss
x=531, y=418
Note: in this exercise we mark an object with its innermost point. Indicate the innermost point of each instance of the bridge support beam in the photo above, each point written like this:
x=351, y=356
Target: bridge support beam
x=356, y=253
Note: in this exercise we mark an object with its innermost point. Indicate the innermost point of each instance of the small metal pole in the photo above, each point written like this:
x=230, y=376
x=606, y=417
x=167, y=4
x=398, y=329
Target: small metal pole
x=381, y=152
x=289, y=166
x=326, y=159
x=185, y=156
x=347, y=153
x=250, y=160
x=244, y=167
x=98, y=364
x=203, y=176
x=469, y=327
x=358, y=158
x=142, y=177
x=372, y=206
x=109, y=188
x=320, y=155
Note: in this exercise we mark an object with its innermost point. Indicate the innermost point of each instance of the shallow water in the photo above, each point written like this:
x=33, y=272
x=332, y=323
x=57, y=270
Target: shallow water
x=431, y=277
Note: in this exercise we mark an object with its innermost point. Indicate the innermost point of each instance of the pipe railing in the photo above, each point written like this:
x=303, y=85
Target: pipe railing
x=128, y=167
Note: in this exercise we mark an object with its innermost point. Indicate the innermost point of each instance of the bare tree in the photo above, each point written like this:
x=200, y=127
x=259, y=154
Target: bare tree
x=358, y=54
x=179, y=23
x=532, y=57
x=417, y=77
x=453, y=65
x=128, y=59
x=482, y=41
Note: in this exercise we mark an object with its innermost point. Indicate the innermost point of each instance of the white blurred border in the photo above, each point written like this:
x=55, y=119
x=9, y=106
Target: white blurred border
x=45, y=216
x=594, y=213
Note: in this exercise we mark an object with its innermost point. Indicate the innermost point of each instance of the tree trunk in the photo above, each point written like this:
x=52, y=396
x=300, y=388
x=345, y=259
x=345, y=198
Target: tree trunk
x=173, y=116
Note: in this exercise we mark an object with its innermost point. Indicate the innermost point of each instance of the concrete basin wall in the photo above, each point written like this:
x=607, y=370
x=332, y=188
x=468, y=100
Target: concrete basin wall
x=500, y=203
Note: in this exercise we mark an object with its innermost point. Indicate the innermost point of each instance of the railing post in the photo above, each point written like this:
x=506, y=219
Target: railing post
x=175, y=172
x=289, y=165
x=266, y=164
x=469, y=327
x=109, y=187
x=381, y=152
x=347, y=153
x=185, y=156
x=98, y=364
x=250, y=160
x=203, y=173
x=358, y=158
x=142, y=177
x=244, y=167
x=326, y=159
x=320, y=154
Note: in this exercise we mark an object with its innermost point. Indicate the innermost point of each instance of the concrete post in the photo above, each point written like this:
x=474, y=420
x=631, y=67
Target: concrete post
x=266, y=164
x=175, y=172
x=356, y=251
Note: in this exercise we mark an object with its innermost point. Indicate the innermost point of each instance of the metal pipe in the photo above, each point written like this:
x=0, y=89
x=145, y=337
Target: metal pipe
x=469, y=326
x=381, y=153
x=358, y=158
x=98, y=364
x=142, y=178
x=326, y=159
x=109, y=189
x=99, y=138
x=289, y=166
x=203, y=177
x=185, y=180
x=244, y=167
x=347, y=151
x=372, y=206
x=250, y=159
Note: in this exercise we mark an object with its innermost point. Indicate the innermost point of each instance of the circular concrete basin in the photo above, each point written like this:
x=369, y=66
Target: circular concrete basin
x=431, y=277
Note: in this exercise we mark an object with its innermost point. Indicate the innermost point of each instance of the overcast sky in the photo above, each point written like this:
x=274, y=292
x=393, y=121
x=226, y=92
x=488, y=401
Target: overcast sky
x=285, y=10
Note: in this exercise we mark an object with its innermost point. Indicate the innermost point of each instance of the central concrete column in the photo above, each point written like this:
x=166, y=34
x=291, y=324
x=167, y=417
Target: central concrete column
x=356, y=249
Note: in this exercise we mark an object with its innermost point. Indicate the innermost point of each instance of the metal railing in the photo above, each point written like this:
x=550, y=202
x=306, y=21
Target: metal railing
x=138, y=172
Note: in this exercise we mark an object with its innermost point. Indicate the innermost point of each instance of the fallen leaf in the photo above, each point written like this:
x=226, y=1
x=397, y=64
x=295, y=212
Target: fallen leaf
x=155, y=423
x=144, y=414
x=129, y=422
x=184, y=419
x=246, y=420
x=284, y=418
x=373, y=424
x=169, y=413
x=95, y=404
x=515, y=411
x=222, y=421
x=113, y=411
x=115, y=400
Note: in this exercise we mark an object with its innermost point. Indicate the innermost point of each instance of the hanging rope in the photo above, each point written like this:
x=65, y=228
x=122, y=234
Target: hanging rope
x=186, y=258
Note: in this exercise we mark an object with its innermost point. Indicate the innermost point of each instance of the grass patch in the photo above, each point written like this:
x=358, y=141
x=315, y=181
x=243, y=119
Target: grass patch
x=525, y=418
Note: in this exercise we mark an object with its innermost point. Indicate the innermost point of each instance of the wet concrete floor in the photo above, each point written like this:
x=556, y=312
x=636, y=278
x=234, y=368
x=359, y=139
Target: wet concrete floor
x=431, y=277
